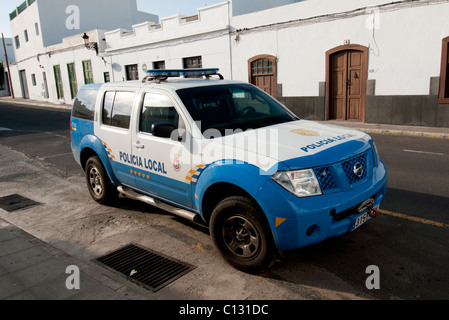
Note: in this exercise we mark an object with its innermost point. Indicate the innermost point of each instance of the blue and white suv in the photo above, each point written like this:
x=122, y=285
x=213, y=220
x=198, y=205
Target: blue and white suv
x=228, y=155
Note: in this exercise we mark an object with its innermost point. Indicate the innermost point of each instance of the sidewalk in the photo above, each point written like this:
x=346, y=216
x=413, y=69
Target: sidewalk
x=403, y=130
x=33, y=270
x=36, y=103
x=370, y=128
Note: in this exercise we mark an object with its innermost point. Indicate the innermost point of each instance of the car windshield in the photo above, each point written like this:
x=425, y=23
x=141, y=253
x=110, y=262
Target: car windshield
x=233, y=106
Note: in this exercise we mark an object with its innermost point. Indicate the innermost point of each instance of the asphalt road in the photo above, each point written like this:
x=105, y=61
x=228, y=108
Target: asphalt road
x=40, y=133
x=408, y=242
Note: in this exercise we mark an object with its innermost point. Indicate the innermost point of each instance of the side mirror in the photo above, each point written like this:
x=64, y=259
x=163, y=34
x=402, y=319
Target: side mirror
x=163, y=130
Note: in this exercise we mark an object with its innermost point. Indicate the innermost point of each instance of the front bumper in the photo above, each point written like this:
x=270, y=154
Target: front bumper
x=300, y=222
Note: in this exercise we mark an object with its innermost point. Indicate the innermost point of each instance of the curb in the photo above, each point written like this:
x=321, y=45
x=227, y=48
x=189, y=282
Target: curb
x=394, y=130
x=405, y=133
x=35, y=103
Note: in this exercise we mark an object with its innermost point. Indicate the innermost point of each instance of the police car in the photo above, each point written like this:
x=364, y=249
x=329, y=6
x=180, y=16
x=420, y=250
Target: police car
x=227, y=155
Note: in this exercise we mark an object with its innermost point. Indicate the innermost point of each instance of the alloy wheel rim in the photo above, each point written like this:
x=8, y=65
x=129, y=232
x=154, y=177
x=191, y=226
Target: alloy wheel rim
x=95, y=181
x=241, y=237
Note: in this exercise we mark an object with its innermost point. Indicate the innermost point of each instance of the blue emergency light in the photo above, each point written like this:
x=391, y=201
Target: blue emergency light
x=166, y=73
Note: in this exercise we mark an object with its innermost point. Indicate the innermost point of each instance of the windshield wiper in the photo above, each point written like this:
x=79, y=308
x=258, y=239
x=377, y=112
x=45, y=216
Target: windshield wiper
x=266, y=122
x=222, y=128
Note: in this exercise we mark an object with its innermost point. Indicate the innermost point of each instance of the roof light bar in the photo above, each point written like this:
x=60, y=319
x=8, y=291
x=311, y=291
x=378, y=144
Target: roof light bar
x=165, y=73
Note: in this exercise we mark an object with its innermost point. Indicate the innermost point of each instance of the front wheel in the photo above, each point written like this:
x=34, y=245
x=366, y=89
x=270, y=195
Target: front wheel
x=242, y=234
x=100, y=187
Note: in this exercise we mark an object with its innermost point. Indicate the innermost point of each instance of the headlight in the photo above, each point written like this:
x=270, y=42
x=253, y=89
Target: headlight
x=302, y=183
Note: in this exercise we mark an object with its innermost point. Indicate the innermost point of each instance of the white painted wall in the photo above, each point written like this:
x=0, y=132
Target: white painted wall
x=26, y=21
x=214, y=53
x=72, y=49
x=52, y=16
x=210, y=19
x=405, y=49
x=176, y=39
x=171, y=41
x=97, y=14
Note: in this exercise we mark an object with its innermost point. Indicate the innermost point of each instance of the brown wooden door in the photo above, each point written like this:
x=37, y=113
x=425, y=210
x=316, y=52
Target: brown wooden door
x=347, y=83
x=262, y=73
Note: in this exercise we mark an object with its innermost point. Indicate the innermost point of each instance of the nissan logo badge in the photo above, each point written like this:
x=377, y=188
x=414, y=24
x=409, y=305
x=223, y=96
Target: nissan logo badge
x=358, y=169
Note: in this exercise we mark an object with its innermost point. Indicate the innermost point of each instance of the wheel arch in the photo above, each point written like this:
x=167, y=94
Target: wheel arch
x=92, y=146
x=224, y=179
x=220, y=191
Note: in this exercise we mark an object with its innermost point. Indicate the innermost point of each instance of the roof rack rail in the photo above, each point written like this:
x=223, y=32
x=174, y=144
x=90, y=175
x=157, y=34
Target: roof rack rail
x=163, y=74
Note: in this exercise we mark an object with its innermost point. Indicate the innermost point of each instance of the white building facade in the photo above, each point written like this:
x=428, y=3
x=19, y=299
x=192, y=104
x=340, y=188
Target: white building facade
x=52, y=60
x=366, y=60
x=177, y=42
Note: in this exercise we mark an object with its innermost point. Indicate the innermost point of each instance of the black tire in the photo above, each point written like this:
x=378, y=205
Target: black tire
x=98, y=183
x=242, y=234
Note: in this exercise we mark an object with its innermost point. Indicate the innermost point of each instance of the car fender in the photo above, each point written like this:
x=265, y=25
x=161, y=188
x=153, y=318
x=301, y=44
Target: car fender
x=248, y=177
x=95, y=144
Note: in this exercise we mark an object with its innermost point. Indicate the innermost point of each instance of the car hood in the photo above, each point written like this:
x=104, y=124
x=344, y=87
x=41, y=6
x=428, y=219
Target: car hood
x=299, y=144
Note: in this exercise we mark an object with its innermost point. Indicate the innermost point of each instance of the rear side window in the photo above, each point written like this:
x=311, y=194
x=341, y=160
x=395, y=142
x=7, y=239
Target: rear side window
x=117, y=108
x=84, y=105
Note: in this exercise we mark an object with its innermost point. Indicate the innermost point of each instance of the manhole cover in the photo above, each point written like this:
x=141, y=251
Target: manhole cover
x=16, y=202
x=145, y=267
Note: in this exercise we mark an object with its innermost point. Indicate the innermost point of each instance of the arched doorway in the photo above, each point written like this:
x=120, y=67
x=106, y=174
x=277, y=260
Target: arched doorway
x=346, y=81
x=262, y=73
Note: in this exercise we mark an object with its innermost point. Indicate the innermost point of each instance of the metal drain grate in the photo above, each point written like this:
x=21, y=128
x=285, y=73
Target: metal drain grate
x=16, y=202
x=145, y=267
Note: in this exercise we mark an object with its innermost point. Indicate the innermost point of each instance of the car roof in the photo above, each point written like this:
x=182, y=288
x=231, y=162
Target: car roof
x=172, y=83
x=180, y=83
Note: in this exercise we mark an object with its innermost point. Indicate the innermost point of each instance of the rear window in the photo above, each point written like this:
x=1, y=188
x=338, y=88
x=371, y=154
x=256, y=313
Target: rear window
x=84, y=105
x=117, y=107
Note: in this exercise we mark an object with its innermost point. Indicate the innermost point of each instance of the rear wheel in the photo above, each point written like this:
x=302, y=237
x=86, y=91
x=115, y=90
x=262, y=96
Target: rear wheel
x=100, y=187
x=241, y=233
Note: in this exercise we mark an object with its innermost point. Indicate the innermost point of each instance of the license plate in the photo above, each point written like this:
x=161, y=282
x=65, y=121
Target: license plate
x=361, y=219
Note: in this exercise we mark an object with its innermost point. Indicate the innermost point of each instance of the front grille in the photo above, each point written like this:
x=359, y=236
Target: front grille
x=325, y=178
x=348, y=168
x=331, y=178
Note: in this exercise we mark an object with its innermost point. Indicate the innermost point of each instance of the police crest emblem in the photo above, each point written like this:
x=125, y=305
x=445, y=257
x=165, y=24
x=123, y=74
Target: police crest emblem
x=177, y=163
x=305, y=132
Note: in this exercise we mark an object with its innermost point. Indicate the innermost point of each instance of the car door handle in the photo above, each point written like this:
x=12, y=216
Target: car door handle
x=139, y=146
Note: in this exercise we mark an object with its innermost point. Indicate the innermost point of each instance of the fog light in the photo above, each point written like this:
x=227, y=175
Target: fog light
x=312, y=230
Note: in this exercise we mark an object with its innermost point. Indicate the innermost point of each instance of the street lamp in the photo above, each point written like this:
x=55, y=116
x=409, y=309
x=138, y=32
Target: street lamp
x=86, y=39
x=90, y=46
